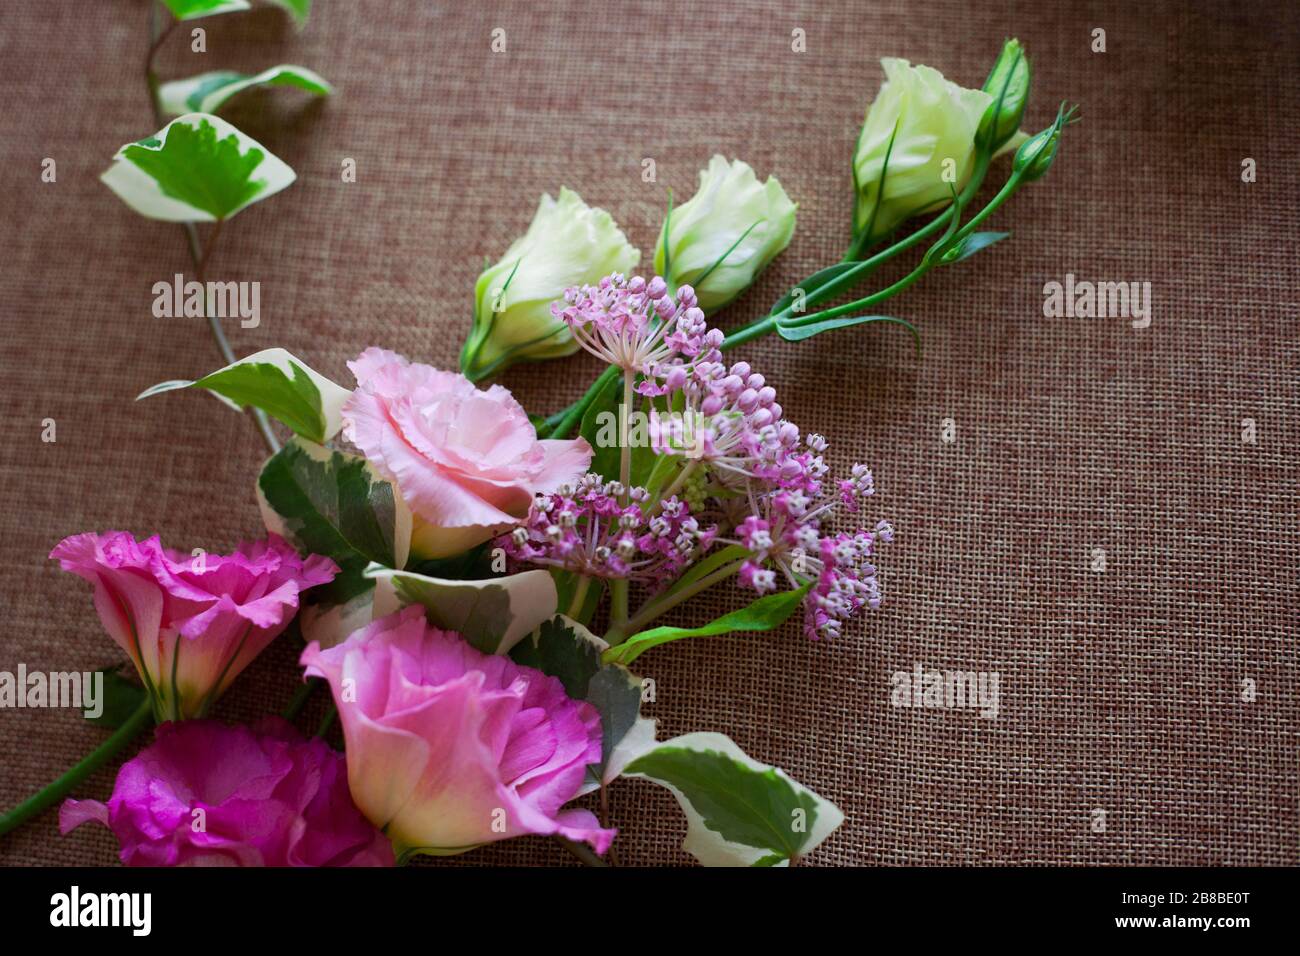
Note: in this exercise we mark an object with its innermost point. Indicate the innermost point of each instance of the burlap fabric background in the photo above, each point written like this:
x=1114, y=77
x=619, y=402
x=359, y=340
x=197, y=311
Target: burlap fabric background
x=1122, y=691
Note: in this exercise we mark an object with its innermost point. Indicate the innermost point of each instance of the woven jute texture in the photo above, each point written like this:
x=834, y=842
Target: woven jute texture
x=1148, y=712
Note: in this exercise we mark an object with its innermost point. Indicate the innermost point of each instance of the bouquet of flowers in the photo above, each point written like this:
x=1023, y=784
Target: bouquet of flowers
x=475, y=586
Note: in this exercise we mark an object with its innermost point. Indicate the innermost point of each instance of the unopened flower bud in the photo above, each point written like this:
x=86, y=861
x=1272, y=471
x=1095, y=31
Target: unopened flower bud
x=916, y=147
x=568, y=244
x=1008, y=84
x=726, y=234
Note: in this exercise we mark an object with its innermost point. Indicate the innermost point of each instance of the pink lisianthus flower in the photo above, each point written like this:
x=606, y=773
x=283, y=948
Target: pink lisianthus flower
x=204, y=794
x=466, y=460
x=449, y=748
x=191, y=624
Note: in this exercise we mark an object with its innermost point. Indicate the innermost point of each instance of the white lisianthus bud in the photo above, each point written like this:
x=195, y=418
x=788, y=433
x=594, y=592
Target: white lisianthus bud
x=916, y=147
x=567, y=244
x=722, y=238
x=1008, y=84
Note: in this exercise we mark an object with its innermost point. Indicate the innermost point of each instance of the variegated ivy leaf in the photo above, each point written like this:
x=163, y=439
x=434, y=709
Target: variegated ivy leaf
x=275, y=381
x=193, y=9
x=197, y=168
x=739, y=812
x=208, y=92
x=492, y=614
x=568, y=651
x=336, y=504
x=298, y=9
x=329, y=622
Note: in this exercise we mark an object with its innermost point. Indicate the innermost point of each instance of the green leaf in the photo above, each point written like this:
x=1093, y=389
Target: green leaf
x=812, y=284
x=566, y=583
x=193, y=9
x=663, y=238
x=971, y=245
x=331, y=613
x=334, y=504
x=616, y=693
x=566, y=650
x=493, y=615
x=643, y=458
x=707, y=565
x=197, y=168
x=279, y=384
x=298, y=9
x=662, y=473
x=208, y=92
x=556, y=649
x=792, y=332
x=739, y=812
x=769, y=611
x=864, y=235
x=119, y=700
x=699, y=280
x=471, y=565
x=606, y=458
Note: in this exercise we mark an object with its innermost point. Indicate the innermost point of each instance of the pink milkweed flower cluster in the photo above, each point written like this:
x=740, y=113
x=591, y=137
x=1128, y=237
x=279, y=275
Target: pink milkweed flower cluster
x=747, y=473
x=630, y=323
x=786, y=540
x=191, y=623
x=588, y=529
x=204, y=794
x=449, y=748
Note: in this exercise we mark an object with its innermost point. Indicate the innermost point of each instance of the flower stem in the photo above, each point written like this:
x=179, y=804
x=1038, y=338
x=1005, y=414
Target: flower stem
x=198, y=254
x=624, y=445
x=579, y=596
x=678, y=482
x=561, y=422
x=300, y=698
x=581, y=851
x=327, y=721
x=61, y=787
x=565, y=420
x=662, y=605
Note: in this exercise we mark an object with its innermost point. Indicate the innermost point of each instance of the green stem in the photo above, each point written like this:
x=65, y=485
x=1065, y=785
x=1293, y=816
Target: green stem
x=327, y=721
x=656, y=608
x=559, y=424
x=579, y=596
x=624, y=448
x=765, y=325
x=678, y=482
x=573, y=414
x=300, y=698
x=581, y=851
x=618, y=590
x=60, y=788
x=198, y=254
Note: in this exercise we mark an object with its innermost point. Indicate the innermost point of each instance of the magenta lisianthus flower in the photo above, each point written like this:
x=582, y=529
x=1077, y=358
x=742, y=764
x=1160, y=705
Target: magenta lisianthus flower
x=449, y=748
x=204, y=794
x=191, y=623
x=466, y=460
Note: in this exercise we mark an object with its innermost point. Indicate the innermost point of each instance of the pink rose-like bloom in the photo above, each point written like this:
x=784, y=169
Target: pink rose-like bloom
x=191, y=624
x=449, y=748
x=204, y=794
x=466, y=460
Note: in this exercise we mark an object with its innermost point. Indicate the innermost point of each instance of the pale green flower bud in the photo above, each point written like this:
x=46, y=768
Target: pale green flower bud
x=916, y=148
x=721, y=239
x=1008, y=84
x=567, y=244
x=1035, y=155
